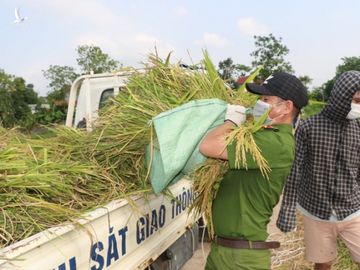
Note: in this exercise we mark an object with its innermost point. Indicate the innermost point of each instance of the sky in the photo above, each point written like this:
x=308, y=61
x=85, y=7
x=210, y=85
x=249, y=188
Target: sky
x=318, y=33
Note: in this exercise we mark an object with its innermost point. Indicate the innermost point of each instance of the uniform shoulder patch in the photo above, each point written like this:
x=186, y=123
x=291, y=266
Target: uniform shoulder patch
x=270, y=127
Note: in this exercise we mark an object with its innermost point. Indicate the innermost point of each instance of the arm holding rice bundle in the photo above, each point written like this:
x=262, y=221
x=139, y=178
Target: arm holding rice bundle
x=246, y=193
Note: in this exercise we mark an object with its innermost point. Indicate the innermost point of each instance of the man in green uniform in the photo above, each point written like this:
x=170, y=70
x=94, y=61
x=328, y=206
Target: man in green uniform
x=245, y=200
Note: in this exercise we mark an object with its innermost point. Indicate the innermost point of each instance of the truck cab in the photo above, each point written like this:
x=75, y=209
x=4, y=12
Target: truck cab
x=158, y=234
x=88, y=95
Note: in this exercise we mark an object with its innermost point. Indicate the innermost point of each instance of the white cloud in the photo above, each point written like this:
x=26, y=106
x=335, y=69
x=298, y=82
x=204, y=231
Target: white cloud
x=87, y=11
x=212, y=39
x=126, y=47
x=145, y=38
x=181, y=11
x=250, y=27
x=146, y=43
x=108, y=44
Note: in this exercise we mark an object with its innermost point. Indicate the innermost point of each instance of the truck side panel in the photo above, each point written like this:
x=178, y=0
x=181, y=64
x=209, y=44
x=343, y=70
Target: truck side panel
x=118, y=236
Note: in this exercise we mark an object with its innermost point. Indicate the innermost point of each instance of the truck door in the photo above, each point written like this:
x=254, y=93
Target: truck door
x=89, y=94
x=105, y=95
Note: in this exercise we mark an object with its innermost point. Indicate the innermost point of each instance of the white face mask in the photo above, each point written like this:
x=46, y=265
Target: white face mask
x=262, y=107
x=354, y=112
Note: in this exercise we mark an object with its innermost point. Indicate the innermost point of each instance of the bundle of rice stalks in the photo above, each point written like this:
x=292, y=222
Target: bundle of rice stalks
x=3, y=137
x=44, y=182
x=124, y=130
x=290, y=255
x=207, y=180
x=7, y=136
x=245, y=144
x=43, y=185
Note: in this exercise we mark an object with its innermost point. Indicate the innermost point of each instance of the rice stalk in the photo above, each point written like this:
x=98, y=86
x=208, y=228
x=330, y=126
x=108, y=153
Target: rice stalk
x=45, y=181
x=245, y=145
x=207, y=180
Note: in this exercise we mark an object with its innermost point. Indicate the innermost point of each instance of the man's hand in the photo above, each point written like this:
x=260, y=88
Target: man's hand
x=236, y=114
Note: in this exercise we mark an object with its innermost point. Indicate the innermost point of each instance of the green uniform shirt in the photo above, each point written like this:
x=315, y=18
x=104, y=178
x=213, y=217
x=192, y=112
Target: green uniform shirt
x=245, y=200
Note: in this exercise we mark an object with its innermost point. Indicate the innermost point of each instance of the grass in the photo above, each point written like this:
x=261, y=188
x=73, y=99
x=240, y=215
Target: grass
x=313, y=108
x=343, y=261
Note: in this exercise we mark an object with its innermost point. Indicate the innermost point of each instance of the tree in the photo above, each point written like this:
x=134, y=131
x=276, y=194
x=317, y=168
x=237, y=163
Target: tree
x=349, y=63
x=229, y=71
x=15, y=97
x=92, y=58
x=21, y=97
x=327, y=87
x=270, y=53
x=61, y=78
x=31, y=96
x=7, y=118
x=306, y=80
x=317, y=94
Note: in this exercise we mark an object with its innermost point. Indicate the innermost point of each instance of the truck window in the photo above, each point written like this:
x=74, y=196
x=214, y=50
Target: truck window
x=105, y=95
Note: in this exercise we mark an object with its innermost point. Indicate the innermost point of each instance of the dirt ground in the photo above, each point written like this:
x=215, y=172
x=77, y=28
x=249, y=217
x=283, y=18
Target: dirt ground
x=198, y=260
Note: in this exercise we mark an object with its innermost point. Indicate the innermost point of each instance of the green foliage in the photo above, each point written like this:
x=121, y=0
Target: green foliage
x=31, y=96
x=314, y=107
x=348, y=63
x=306, y=80
x=229, y=71
x=60, y=76
x=270, y=53
x=92, y=58
x=322, y=93
x=7, y=117
x=22, y=96
x=343, y=260
x=317, y=94
x=327, y=87
x=15, y=97
x=47, y=116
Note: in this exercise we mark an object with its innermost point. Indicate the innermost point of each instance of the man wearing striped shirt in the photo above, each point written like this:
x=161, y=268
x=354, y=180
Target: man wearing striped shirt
x=324, y=182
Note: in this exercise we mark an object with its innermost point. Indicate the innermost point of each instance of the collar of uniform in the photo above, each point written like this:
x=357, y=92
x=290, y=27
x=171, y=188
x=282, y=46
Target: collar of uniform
x=282, y=127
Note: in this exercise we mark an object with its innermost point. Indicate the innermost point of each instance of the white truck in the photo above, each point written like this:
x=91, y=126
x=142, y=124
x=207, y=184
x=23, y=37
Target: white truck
x=159, y=235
